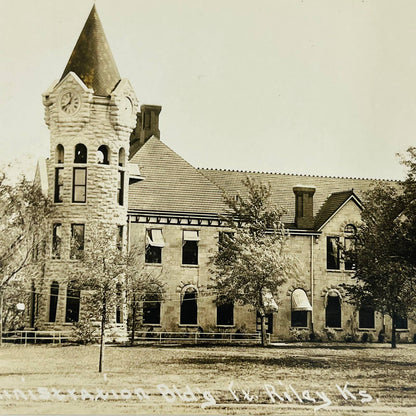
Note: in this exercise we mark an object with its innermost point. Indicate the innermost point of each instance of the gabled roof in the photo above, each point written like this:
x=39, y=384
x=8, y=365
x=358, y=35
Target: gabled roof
x=282, y=186
x=331, y=206
x=171, y=184
x=92, y=59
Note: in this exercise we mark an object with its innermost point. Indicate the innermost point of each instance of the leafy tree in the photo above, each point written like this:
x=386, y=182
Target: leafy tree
x=24, y=212
x=98, y=273
x=252, y=262
x=384, y=251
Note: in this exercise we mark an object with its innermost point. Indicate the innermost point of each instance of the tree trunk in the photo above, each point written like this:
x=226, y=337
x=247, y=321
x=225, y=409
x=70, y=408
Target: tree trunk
x=393, y=331
x=1, y=317
x=263, y=330
x=103, y=319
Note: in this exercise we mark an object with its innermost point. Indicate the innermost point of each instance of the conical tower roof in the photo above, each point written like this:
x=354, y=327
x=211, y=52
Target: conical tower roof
x=92, y=59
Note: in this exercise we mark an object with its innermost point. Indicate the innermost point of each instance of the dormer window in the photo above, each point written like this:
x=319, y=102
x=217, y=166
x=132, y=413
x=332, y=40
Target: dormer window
x=80, y=153
x=102, y=155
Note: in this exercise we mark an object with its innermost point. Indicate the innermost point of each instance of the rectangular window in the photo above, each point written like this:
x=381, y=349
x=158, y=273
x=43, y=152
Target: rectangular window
x=59, y=184
x=79, y=188
x=225, y=314
x=332, y=253
x=401, y=322
x=77, y=240
x=120, y=237
x=299, y=319
x=154, y=245
x=120, y=187
x=56, y=240
x=190, y=247
x=349, y=253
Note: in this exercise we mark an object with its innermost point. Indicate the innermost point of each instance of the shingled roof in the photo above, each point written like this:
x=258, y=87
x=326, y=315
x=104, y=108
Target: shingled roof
x=92, y=59
x=282, y=186
x=171, y=184
x=334, y=202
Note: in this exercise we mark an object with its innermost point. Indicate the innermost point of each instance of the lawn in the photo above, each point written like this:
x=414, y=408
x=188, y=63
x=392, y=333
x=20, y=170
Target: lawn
x=283, y=380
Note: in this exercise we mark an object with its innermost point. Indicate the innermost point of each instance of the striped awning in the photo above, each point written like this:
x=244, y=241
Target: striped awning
x=300, y=301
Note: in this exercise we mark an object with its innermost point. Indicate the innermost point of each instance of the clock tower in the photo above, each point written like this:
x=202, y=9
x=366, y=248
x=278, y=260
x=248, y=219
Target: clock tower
x=90, y=113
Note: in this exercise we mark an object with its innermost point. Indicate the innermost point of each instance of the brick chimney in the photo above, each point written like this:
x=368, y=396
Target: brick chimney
x=304, y=206
x=147, y=125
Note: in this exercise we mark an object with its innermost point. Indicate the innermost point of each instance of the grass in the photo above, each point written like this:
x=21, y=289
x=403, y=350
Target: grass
x=387, y=376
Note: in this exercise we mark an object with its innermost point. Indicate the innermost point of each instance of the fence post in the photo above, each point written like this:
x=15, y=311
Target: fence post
x=35, y=338
x=160, y=337
x=25, y=338
x=196, y=337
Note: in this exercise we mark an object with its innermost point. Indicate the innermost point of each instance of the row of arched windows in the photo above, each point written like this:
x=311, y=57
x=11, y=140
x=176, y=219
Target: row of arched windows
x=81, y=153
x=225, y=311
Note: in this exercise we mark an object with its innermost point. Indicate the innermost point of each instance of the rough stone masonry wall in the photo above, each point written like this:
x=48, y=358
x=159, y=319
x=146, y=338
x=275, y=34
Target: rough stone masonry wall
x=96, y=124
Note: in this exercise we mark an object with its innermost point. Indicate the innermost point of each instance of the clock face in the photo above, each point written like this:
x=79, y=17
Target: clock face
x=70, y=102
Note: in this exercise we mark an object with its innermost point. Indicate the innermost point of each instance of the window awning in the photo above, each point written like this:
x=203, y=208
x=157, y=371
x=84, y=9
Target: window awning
x=190, y=235
x=155, y=238
x=270, y=304
x=300, y=301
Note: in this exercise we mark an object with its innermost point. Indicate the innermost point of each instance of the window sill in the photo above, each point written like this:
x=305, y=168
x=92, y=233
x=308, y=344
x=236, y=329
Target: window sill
x=153, y=264
x=366, y=329
x=402, y=330
x=335, y=329
x=188, y=325
x=225, y=326
x=192, y=266
x=298, y=327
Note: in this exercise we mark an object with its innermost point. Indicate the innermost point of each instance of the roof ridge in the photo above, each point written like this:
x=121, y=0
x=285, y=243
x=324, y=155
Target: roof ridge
x=298, y=174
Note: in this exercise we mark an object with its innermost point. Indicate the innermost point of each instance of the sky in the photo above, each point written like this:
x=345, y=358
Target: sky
x=324, y=87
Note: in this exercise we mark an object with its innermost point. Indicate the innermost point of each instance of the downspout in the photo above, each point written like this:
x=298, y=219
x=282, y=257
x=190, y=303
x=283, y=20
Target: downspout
x=311, y=280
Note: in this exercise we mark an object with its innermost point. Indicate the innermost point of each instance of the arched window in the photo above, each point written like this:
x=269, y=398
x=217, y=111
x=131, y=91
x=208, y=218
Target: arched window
x=151, y=309
x=366, y=316
x=122, y=157
x=333, y=309
x=225, y=314
x=80, y=153
x=59, y=154
x=103, y=155
x=189, y=307
x=350, y=230
x=299, y=306
x=53, y=301
x=72, y=303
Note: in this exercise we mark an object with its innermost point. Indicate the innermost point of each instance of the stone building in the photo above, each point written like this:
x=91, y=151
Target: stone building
x=108, y=164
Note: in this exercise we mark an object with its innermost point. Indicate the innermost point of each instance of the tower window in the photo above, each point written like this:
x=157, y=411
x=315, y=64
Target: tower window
x=77, y=240
x=189, y=307
x=121, y=157
x=103, y=155
x=59, y=184
x=120, y=187
x=79, y=187
x=59, y=154
x=80, y=153
x=56, y=240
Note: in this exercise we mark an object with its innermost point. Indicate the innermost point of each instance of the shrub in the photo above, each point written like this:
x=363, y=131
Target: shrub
x=330, y=334
x=350, y=338
x=84, y=332
x=316, y=336
x=364, y=337
x=299, y=335
x=381, y=336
